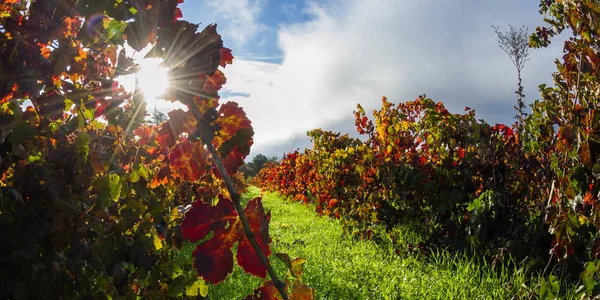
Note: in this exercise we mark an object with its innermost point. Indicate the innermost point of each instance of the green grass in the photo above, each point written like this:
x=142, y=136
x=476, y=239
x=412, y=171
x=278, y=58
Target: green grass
x=339, y=268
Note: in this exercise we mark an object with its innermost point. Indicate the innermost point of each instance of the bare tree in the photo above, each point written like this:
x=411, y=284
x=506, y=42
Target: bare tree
x=515, y=42
x=158, y=116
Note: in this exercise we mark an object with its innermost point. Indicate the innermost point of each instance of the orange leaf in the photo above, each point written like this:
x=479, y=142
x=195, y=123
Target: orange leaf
x=301, y=291
x=187, y=161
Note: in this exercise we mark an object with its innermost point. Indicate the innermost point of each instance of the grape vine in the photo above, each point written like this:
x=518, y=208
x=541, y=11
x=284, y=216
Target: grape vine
x=522, y=190
x=94, y=201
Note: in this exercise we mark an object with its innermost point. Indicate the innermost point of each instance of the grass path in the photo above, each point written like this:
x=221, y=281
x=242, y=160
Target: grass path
x=338, y=268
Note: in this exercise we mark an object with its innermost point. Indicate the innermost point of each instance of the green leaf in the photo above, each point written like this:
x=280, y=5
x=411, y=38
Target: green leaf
x=197, y=288
x=113, y=31
x=68, y=104
x=176, y=287
x=82, y=146
x=114, y=186
x=109, y=189
x=475, y=205
x=21, y=133
x=103, y=197
x=142, y=171
x=135, y=176
x=549, y=288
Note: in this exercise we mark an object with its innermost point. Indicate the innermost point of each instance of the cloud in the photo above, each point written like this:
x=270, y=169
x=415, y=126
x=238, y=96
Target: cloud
x=240, y=16
x=352, y=52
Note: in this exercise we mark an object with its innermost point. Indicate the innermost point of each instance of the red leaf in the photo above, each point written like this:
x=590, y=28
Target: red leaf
x=204, y=104
x=226, y=56
x=187, y=161
x=144, y=132
x=163, y=137
x=233, y=161
x=213, y=258
x=179, y=122
x=231, y=119
x=178, y=14
x=213, y=82
x=213, y=261
x=50, y=104
x=259, y=223
x=203, y=218
x=266, y=292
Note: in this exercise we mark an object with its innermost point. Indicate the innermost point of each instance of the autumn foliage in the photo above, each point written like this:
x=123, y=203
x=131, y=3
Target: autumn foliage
x=450, y=172
x=95, y=202
x=495, y=188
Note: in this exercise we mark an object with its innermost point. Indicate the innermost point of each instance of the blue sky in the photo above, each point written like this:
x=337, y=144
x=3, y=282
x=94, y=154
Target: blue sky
x=306, y=64
x=251, y=27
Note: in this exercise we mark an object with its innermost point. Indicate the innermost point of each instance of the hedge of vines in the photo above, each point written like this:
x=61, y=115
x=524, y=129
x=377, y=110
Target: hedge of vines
x=95, y=203
x=471, y=184
x=454, y=174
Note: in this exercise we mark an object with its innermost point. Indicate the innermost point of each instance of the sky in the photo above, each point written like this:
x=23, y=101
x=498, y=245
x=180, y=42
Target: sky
x=301, y=65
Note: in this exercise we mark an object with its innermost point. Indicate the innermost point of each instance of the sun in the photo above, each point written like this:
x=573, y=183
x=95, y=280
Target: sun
x=152, y=78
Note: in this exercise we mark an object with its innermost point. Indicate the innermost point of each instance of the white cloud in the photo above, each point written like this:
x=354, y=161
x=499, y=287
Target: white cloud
x=240, y=16
x=357, y=51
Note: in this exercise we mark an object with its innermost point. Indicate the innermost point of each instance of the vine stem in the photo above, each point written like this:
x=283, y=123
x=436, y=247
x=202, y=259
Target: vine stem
x=543, y=274
x=207, y=136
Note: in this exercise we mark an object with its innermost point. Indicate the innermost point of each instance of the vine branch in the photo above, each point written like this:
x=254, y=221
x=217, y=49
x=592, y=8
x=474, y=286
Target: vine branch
x=207, y=136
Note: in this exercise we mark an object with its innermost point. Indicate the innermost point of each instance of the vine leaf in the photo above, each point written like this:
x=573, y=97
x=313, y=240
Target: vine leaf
x=295, y=266
x=268, y=291
x=199, y=287
x=214, y=257
x=235, y=136
x=232, y=118
x=187, y=160
x=233, y=161
x=200, y=51
x=109, y=189
x=226, y=57
x=301, y=291
x=259, y=223
x=214, y=81
x=179, y=122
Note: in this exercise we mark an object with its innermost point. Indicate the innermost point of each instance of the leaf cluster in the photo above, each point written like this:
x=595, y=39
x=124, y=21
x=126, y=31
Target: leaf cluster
x=524, y=189
x=93, y=201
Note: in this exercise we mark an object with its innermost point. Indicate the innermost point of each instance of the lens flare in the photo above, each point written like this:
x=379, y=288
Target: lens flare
x=152, y=78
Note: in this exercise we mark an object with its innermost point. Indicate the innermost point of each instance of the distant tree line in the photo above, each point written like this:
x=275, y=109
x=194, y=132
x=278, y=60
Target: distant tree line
x=252, y=168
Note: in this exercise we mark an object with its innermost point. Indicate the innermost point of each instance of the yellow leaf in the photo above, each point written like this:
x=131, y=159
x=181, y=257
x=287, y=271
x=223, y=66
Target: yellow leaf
x=198, y=288
x=157, y=242
x=405, y=125
x=175, y=213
